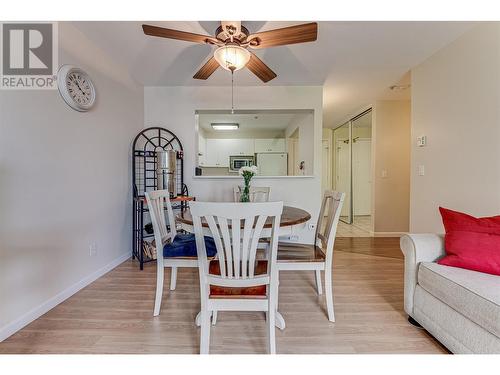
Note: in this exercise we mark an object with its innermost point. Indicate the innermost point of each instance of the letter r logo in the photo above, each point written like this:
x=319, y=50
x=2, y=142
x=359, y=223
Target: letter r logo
x=27, y=49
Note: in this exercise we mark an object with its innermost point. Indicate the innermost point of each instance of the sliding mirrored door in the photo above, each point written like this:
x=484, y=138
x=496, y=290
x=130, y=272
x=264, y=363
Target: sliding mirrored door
x=342, y=166
x=361, y=130
x=352, y=169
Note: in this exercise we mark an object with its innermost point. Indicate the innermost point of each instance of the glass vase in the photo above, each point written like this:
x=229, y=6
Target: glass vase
x=245, y=194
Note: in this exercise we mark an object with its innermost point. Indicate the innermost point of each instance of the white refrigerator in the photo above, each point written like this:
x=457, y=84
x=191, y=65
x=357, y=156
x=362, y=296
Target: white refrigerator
x=272, y=164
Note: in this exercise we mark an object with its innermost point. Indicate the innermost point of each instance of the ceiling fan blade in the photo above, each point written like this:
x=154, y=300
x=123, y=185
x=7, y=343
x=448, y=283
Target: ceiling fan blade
x=206, y=70
x=307, y=32
x=260, y=69
x=176, y=34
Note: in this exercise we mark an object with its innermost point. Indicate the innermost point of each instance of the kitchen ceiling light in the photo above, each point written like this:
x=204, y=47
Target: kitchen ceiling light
x=232, y=57
x=225, y=126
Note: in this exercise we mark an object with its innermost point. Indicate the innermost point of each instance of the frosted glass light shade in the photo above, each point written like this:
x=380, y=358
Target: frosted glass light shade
x=232, y=57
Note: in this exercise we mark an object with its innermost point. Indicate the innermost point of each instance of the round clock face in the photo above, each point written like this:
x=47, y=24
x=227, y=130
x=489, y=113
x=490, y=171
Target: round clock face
x=76, y=88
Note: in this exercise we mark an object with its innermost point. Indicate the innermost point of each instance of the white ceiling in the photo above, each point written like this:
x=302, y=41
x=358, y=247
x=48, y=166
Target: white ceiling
x=355, y=61
x=251, y=121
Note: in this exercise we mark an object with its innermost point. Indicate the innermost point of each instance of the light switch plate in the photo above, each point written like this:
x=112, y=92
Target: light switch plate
x=421, y=170
x=422, y=141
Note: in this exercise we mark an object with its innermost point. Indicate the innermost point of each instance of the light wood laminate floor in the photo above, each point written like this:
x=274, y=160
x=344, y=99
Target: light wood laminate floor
x=350, y=230
x=114, y=314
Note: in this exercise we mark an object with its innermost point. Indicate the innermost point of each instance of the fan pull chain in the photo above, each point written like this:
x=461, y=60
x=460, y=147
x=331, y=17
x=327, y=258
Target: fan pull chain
x=232, y=91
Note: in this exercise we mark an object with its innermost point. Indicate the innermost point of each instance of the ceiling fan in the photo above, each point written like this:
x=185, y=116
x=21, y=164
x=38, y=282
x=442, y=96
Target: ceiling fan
x=233, y=41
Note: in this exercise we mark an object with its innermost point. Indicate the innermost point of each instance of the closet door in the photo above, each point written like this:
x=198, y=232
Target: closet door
x=361, y=134
x=342, y=174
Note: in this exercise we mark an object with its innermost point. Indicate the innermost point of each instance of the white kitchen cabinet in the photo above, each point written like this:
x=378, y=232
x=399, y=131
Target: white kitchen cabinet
x=211, y=157
x=223, y=152
x=244, y=146
x=217, y=153
x=269, y=145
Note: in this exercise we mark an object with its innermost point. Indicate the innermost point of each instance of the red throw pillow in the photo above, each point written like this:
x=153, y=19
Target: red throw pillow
x=471, y=243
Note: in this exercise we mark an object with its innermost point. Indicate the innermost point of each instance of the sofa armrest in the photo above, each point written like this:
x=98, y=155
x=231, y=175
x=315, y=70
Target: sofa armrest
x=418, y=248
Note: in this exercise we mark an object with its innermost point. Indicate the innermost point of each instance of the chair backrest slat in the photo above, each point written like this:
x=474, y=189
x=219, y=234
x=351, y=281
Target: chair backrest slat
x=257, y=193
x=157, y=201
x=218, y=244
x=261, y=220
x=236, y=229
x=226, y=240
x=329, y=215
x=235, y=232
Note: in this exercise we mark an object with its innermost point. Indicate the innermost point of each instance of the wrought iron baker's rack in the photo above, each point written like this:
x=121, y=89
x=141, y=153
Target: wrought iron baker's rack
x=144, y=164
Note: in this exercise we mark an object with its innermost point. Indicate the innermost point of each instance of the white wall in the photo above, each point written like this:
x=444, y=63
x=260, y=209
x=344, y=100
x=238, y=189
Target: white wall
x=174, y=109
x=64, y=183
x=455, y=103
x=305, y=126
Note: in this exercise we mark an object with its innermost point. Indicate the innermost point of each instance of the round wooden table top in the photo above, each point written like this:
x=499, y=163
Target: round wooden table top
x=290, y=216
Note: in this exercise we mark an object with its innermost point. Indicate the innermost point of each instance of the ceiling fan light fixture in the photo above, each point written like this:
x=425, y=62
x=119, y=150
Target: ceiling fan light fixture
x=232, y=57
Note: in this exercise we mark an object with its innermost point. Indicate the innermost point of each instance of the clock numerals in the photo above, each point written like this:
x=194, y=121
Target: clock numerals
x=76, y=88
x=79, y=89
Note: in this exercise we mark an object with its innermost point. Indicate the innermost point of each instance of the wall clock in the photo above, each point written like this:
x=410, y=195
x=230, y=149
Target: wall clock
x=76, y=88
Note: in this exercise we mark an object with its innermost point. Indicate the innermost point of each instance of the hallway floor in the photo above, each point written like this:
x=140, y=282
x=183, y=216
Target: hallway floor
x=361, y=227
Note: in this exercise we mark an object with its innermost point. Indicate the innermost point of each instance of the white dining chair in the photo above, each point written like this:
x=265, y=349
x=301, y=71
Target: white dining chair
x=236, y=280
x=319, y=255
x=174, y=250
x=257, y=193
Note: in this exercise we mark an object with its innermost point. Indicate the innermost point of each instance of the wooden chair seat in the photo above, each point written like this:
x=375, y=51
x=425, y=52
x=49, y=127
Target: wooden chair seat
x=230, y=292
x=291, y=252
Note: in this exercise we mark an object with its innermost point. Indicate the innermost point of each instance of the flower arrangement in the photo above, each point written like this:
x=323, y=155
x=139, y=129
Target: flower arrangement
x=247, y=173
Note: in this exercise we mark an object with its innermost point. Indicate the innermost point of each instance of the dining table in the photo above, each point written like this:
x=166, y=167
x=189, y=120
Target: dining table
x=290, y=217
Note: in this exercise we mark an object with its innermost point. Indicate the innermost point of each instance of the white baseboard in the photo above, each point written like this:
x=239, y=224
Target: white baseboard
x=387, y=234
x=38, y=311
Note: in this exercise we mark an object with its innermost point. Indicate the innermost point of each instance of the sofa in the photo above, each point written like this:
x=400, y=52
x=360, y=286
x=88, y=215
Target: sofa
x=459, y=307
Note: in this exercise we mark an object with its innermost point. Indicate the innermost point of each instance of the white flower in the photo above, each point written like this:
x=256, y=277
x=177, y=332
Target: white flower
x=253, y=170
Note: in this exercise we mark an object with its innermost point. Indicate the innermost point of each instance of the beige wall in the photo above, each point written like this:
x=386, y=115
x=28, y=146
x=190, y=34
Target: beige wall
x=65, y=183
x=391, y=152
x=327, y=136
x=455, y=103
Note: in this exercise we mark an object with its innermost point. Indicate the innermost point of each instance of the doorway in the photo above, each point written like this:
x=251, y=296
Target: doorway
x=326, y=172
x=352, y=171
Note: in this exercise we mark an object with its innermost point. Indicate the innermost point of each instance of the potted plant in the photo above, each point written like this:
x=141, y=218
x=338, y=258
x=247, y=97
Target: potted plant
x=247, y=173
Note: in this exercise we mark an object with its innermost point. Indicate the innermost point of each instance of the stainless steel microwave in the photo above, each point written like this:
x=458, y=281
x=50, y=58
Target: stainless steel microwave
x=236, y=162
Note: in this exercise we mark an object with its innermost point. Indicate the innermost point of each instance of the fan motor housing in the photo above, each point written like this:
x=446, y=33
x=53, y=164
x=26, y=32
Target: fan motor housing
x=224, y=36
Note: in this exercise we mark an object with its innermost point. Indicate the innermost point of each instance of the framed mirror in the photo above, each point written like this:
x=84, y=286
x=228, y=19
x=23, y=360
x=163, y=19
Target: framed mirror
x=279, y=142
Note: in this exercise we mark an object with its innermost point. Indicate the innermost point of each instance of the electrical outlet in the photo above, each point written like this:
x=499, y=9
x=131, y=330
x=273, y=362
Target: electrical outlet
x=93, y=249
x=294, y=237
x=312, y=226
